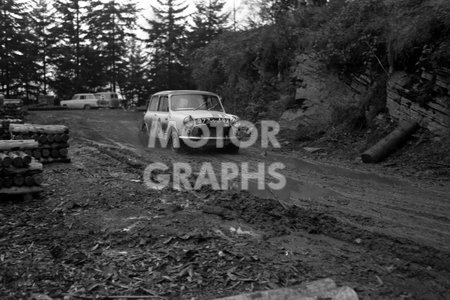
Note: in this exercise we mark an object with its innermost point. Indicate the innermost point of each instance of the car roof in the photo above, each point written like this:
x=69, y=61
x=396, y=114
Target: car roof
x=184, y=92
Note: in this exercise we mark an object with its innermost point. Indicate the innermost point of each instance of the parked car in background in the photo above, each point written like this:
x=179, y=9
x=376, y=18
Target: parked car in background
x=111, y=98
x=193, y=115
x=84, y=101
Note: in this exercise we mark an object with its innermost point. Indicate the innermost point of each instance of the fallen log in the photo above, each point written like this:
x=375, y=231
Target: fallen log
x=389, y=143
x=11, y=145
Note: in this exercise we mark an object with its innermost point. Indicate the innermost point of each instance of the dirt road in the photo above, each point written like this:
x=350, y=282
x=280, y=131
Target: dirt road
x=393, y=206
x=387, y=237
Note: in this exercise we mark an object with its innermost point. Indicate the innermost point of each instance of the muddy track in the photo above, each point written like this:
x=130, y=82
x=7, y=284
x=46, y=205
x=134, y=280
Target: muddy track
x=391, y=218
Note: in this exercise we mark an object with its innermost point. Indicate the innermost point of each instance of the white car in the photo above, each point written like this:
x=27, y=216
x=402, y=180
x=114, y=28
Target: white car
x=189, y=118
x=84, y=101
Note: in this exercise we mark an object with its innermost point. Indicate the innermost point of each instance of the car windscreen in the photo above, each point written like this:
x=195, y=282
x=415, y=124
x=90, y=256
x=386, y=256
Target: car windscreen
x=195, y=102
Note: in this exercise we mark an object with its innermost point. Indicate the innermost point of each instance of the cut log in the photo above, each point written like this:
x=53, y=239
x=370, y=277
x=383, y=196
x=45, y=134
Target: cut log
x=58, y=138
x=20, y=190
x=38, y=179
x=63, y=152
x=37, y=153
x=50, y=138
x=11, y=145
x=26, y=159
x=54, y=153
x=45, y=153
x=29, y=181
x=16, y=160
x=390, y=143
x=7, y=182
x=46, y=129
x=65, y=137
x=18, y=180
x=5, y=160
x=42, y=139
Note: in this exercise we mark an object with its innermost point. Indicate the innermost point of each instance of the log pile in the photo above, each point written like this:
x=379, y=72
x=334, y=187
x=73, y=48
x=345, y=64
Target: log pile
x=4, y=127
x=12, y=109
x=20, y=173
x=53, y=140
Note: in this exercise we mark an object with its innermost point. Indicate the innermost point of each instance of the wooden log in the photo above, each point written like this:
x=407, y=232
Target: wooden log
x=18, y=180
x=29, y=181
x=63, y=152
x=20, y=190
x=54, y=153
x=42, y=139
x=12, y=145
x=37, y=153
x=45, y=153
x=50, y=138
x=38, y=179
x=34, y=128
x=65, y=137
x=58, y=138
x=26, y=159
x=16, y=160
x=389, y=143
x=7, y=182
x=5, y=160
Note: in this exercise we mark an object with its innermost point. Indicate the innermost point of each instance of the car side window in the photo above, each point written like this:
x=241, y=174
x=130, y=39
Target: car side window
x=164, y=104
x=82, y=97
x=153, y=105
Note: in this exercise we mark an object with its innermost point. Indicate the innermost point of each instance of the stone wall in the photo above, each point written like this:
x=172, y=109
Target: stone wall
x=425, y=99
x=318, y=91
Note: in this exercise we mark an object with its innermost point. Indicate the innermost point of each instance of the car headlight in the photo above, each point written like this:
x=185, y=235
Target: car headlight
x=188, y=121
x=236, y=123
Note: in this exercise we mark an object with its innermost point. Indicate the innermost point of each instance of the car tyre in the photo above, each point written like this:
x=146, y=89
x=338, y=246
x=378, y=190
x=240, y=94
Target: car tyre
x=182, y=146
x=87, y=106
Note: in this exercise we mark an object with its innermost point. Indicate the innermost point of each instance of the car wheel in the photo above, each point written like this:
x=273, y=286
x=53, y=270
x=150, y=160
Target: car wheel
x=87, y=106
x=231, y=148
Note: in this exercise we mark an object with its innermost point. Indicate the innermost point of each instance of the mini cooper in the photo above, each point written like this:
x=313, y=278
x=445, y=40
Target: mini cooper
x=183, y=119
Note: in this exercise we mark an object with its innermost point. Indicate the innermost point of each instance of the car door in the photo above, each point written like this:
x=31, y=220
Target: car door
x=81, y=102
x=151, y=113
x=163, y=112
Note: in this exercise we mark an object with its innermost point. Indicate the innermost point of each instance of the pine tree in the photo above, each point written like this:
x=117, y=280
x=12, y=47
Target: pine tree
x=133, y=78
x=109, y=24
x=13, y=38
x=209, y=21
x=167, y=44
x=42, y=20
x=71, y=33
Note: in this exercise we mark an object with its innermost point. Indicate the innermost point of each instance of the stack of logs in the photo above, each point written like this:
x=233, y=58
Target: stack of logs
x=52, y=140
x=20, y=173
x=4, y=127
x=12, y=109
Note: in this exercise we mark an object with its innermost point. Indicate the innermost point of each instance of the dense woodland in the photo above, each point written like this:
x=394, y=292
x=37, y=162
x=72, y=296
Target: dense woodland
x=68, y=46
